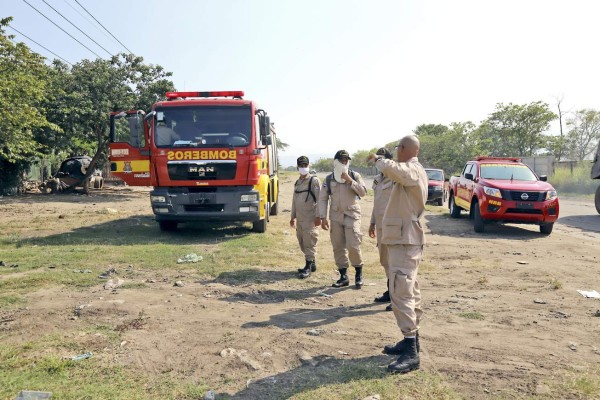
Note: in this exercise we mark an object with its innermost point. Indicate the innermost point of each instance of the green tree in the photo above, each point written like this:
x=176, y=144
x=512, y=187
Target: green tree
x=23, y=82
x=584, y=133
x=447, y=148
x=515, y=130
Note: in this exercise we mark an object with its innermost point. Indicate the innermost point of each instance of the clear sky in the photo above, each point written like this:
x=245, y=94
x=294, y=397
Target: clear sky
x=343, y=73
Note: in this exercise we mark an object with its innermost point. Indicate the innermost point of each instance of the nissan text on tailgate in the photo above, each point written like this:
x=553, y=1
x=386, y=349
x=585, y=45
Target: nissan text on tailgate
x=503, y=190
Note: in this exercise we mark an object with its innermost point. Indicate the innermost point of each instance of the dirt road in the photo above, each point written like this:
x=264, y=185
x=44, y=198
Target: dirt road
x=503, y=315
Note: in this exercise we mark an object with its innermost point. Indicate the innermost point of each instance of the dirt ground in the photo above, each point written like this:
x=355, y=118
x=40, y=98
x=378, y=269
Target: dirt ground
x=503, y=317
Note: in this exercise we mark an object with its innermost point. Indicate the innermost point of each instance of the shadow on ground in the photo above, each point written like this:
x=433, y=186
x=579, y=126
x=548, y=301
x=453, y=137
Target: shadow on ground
x=312, y=374
x=312, y=318
x=443, y=224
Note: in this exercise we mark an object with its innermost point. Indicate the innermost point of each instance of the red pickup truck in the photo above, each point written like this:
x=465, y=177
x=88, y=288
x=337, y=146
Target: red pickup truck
x=503, y=189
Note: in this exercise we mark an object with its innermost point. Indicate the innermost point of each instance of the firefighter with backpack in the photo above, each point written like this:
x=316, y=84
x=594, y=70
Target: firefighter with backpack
x=340, y=193
x=305, y=215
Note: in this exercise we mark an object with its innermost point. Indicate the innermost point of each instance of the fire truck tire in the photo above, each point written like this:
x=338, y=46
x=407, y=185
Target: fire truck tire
x=597, y=200
x=167, y=226
x=478, y=222
x=260, y=226
x=454, y=209
x=274, y=209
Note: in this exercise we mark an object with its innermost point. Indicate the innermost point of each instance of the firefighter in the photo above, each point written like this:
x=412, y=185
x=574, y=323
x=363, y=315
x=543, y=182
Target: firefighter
x=341, y=191
x=382, y=188
x=405, y=237
x=305, y=215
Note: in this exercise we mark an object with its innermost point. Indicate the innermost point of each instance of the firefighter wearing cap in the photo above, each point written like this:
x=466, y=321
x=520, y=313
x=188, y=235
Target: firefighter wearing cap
x=382, y=188
x=305, y=215
x=341, y=191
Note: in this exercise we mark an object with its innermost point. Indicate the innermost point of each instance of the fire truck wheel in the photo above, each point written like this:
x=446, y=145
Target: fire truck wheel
x=260, y=226
x=597, y=200
x=274, y=209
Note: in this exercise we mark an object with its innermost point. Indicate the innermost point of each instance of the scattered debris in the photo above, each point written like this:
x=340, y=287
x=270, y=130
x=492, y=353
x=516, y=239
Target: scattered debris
x=597, y=314
x=315, y=332
x=343, y=353
x=80, y=307
x=228, y=352
x=558, y=314
x=210, y=395
x=573, y=346
x=82, y=356
x=106, y=274
x=323, y=294
x=523, y=262
x=189, y=258
x=591, y=294
x=150, y=280
x=179, y=284
x=539, y=301
x=306, y=359
x=114, y=283
x=33, y=395
x=373, y=397
x=82, y=271
x=3, y=264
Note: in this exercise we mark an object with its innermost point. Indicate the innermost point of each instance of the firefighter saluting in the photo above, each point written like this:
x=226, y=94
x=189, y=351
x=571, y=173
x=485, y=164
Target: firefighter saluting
x=305, y=215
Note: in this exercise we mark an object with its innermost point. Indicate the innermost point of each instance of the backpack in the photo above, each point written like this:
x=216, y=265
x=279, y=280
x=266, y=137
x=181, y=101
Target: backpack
x=330, y=177
x=310, y=192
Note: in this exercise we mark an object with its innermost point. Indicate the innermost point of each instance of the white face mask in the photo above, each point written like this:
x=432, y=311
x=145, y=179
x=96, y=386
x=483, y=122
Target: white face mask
x=303, y=170
x=339, y=169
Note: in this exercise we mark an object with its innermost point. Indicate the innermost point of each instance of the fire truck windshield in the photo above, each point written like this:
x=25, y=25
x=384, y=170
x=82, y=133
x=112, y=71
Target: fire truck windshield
x=203, y=126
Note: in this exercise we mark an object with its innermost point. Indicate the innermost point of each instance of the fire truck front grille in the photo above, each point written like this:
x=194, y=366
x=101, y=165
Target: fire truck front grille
x=192, y=171
x=205, y=207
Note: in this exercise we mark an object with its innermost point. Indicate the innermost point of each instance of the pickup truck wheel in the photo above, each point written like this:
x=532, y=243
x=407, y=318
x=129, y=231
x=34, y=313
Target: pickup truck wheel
x=546, y=229
x=597, y=200
x=478, y=222
x=454, y=209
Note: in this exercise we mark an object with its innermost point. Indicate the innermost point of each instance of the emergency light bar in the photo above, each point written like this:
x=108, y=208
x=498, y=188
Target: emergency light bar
x=234, y=93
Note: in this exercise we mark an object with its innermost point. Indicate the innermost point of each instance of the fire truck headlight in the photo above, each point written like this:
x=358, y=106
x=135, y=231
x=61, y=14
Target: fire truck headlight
x=249, y=197
x=551, y=195
x=492, y=192
x=158, y=199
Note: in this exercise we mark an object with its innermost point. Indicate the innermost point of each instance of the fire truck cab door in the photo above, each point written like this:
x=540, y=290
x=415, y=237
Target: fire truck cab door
x=129, y=151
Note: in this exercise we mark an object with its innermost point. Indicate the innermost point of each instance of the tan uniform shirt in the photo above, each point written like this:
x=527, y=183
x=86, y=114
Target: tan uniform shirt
x=344, y=199
x=382, y=189
x=401, y=221
x=304, y=206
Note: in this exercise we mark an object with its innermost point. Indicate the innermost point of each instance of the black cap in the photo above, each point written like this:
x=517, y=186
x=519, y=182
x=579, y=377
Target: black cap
x=384, y=152
x=302, y=160
x=342, y=154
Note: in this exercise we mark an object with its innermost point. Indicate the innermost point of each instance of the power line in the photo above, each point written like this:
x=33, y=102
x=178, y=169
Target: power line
x=48, y=50
x=109, y=53
x=89, y=21
x=131, y=52
x=72, y=37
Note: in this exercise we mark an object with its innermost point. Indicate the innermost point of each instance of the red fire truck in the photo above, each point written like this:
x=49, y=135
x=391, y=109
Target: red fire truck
x=210, y=156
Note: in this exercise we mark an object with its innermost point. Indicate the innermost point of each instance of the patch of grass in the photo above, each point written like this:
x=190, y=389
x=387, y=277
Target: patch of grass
x=472, y=315
x=556, y=284
x=579, y=384
x=483, y=280
x=9, y=301
x=417, y=385
x=134, y=285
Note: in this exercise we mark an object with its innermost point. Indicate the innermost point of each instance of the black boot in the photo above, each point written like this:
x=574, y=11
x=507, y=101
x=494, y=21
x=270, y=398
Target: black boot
x=343, y=281
x=399, y=347
x=409, y=357
x=305, y=272
x=389, y=307
x=306, y=265
x=358, y=282
x=385, y=297
x=313, y=266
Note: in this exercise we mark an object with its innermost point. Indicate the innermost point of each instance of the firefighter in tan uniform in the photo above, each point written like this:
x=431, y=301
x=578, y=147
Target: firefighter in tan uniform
x=341, y=191
x=305, y=215
x=382, y=189
x=404, y=237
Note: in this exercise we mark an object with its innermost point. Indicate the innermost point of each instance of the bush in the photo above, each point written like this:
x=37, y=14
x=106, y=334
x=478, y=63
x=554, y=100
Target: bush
x=575, y=181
